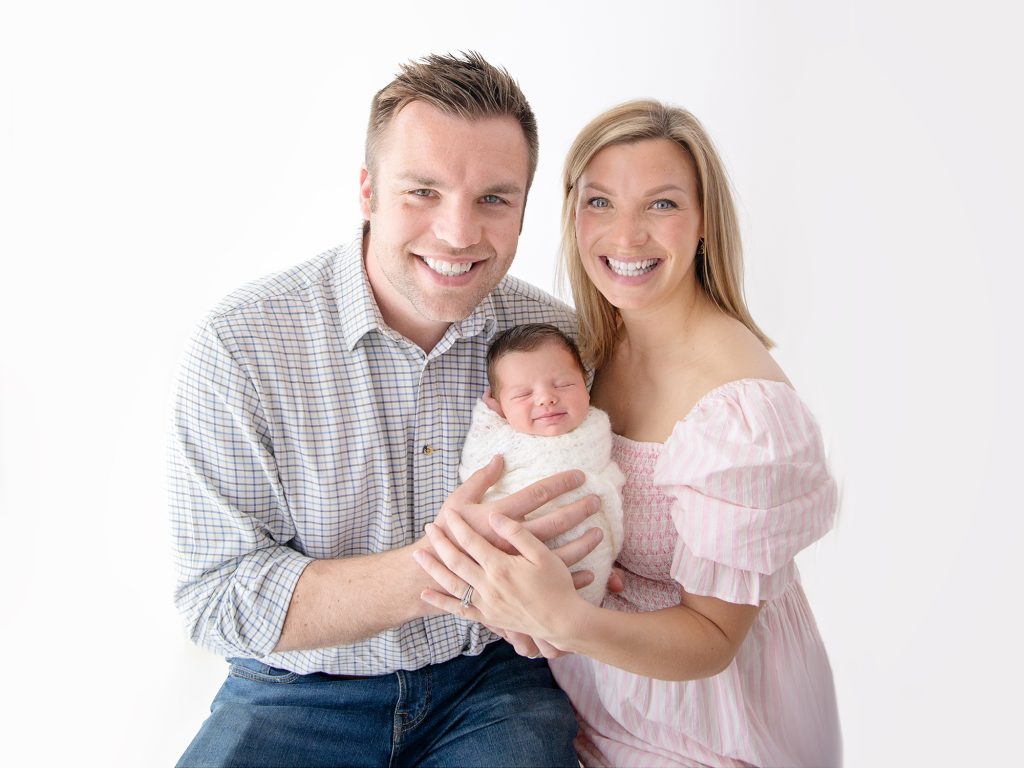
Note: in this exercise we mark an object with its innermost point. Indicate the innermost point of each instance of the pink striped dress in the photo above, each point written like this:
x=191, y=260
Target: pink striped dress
x=721, y=509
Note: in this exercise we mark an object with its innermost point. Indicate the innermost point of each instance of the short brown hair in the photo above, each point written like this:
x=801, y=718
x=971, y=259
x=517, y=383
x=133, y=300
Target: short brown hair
x=465, y=86
x=526, y=338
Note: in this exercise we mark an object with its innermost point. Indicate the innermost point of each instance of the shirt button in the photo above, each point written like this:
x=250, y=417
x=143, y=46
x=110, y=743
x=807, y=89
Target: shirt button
x=427, y=450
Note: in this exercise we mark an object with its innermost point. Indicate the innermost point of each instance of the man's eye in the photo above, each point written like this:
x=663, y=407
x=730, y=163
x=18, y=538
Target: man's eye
x=663, y=205
x=422, y=192
x=598, y=202
x=491, y=199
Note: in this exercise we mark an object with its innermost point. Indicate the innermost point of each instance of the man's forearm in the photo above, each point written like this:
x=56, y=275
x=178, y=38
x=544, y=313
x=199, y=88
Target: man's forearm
x=342, y=601
x=345, y=600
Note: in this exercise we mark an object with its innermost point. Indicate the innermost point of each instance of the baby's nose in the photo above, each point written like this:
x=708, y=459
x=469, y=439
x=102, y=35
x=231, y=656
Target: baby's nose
x=546, y=397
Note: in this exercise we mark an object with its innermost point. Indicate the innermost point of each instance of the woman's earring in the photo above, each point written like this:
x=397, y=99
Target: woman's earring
x=700, y=248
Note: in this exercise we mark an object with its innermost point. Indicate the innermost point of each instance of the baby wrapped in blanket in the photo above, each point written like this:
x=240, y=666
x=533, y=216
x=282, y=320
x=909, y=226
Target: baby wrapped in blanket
x=539, y=419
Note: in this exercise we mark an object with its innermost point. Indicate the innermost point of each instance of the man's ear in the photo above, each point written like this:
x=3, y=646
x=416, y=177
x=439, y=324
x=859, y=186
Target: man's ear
x=365, y=193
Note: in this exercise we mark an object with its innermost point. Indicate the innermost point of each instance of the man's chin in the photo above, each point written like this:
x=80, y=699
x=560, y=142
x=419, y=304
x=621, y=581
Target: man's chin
x=449, y=309
x=446, y=313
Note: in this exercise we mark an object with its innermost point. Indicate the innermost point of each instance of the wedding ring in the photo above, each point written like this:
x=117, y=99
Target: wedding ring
x=467, y=596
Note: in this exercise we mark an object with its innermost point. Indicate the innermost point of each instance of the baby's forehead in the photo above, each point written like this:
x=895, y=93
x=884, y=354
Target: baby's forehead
x=546, y=346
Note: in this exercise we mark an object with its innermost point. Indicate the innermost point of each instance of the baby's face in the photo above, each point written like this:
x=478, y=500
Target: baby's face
x=542, y=392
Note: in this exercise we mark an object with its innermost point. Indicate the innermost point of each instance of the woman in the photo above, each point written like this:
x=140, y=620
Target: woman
x=710, y=655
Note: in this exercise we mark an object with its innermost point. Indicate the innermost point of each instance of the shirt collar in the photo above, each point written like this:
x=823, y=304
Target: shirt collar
x=359, y=313
x=357, y=310
x=482, y=320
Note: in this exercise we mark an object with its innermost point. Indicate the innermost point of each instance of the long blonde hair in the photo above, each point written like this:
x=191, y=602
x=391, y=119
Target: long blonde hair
x=719, y=267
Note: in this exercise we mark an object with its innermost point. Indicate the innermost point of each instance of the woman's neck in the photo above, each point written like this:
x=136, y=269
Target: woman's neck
x=665, y=334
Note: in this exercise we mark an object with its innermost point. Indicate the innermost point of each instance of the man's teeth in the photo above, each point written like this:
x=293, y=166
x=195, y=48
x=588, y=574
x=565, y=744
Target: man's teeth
x=631, y=268
x=448, y=268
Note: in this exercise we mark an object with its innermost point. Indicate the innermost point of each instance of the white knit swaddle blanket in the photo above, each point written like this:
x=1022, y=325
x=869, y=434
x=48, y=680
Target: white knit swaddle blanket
x=529, y=458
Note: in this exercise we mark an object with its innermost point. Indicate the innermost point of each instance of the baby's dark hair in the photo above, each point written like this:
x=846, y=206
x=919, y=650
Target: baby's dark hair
x=526, y=338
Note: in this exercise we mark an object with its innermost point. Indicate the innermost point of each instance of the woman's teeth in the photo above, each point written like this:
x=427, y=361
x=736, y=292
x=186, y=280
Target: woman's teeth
x=630, y=268
x=448, y=268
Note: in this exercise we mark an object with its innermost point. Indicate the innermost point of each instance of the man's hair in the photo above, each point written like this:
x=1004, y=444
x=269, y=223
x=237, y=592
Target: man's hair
x=463, y=86
x=526, y=338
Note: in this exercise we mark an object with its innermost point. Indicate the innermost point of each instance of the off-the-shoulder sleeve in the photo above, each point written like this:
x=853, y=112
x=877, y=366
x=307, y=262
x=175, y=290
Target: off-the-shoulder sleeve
x=750, y=485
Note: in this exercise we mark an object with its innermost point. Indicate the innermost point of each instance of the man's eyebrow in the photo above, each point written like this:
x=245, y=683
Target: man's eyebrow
x=508, y=188
x=421, y=181
x=502, y=188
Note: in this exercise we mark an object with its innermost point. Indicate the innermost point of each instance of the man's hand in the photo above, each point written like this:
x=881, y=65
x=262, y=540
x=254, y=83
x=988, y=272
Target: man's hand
x=466, y=500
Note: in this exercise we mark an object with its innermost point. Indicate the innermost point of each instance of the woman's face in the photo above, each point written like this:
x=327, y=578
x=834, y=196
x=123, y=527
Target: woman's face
x=638, y=221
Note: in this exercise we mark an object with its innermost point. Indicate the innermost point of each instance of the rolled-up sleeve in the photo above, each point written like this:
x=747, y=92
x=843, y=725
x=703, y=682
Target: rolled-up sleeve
x=229, y=516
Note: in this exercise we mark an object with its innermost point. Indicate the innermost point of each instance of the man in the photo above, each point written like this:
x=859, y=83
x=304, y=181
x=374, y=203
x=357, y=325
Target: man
x=318, y=426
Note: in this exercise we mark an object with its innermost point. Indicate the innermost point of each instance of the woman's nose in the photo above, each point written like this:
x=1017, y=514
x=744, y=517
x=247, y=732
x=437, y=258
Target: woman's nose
x=628, y=230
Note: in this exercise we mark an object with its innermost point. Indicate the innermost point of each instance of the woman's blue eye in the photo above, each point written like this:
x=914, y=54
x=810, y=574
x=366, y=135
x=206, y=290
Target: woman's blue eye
x=598, y=202
x=663, y=205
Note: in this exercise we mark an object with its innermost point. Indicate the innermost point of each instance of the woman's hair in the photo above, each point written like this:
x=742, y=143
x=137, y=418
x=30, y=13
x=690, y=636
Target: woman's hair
x=464, y=86
x=719, y=265
x=526, y=338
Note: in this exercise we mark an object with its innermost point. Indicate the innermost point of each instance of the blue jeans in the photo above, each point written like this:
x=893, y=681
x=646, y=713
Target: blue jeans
x=495, y=709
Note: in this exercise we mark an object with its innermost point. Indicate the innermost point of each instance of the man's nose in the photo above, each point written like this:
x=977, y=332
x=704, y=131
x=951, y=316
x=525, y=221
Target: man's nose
x=457, y=224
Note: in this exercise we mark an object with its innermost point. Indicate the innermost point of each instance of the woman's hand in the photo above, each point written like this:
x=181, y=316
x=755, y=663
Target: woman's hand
x=524, y=645
x=531, y=592
x=534, y=647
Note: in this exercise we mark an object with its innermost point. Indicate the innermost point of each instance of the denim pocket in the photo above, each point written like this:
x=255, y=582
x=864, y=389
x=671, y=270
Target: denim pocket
x=258, y=672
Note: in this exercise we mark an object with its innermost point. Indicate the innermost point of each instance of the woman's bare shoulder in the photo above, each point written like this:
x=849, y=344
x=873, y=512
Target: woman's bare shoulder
x=733, y=352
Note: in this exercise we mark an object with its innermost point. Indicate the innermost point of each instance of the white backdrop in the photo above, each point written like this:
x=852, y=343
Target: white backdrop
x=154, y=157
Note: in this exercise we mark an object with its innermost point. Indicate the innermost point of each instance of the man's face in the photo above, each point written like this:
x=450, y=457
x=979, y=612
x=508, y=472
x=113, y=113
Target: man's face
x=541, y=392
x=445, y=205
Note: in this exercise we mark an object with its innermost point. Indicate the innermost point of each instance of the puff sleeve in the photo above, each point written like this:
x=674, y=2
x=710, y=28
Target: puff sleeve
x=750, y=487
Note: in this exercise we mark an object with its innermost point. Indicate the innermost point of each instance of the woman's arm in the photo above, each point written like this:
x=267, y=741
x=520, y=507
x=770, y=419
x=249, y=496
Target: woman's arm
x=533, y=593
x=698, y=638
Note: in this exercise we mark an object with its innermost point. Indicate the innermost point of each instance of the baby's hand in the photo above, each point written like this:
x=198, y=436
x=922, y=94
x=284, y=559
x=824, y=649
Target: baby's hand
x=616, y=580
x=491, y=403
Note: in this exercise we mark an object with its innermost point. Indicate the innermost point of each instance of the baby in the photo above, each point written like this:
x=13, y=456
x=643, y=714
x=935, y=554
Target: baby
x=538, y=416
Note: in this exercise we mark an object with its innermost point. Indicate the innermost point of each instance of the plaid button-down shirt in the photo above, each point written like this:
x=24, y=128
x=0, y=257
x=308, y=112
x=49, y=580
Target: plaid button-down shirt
x=305, y=428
